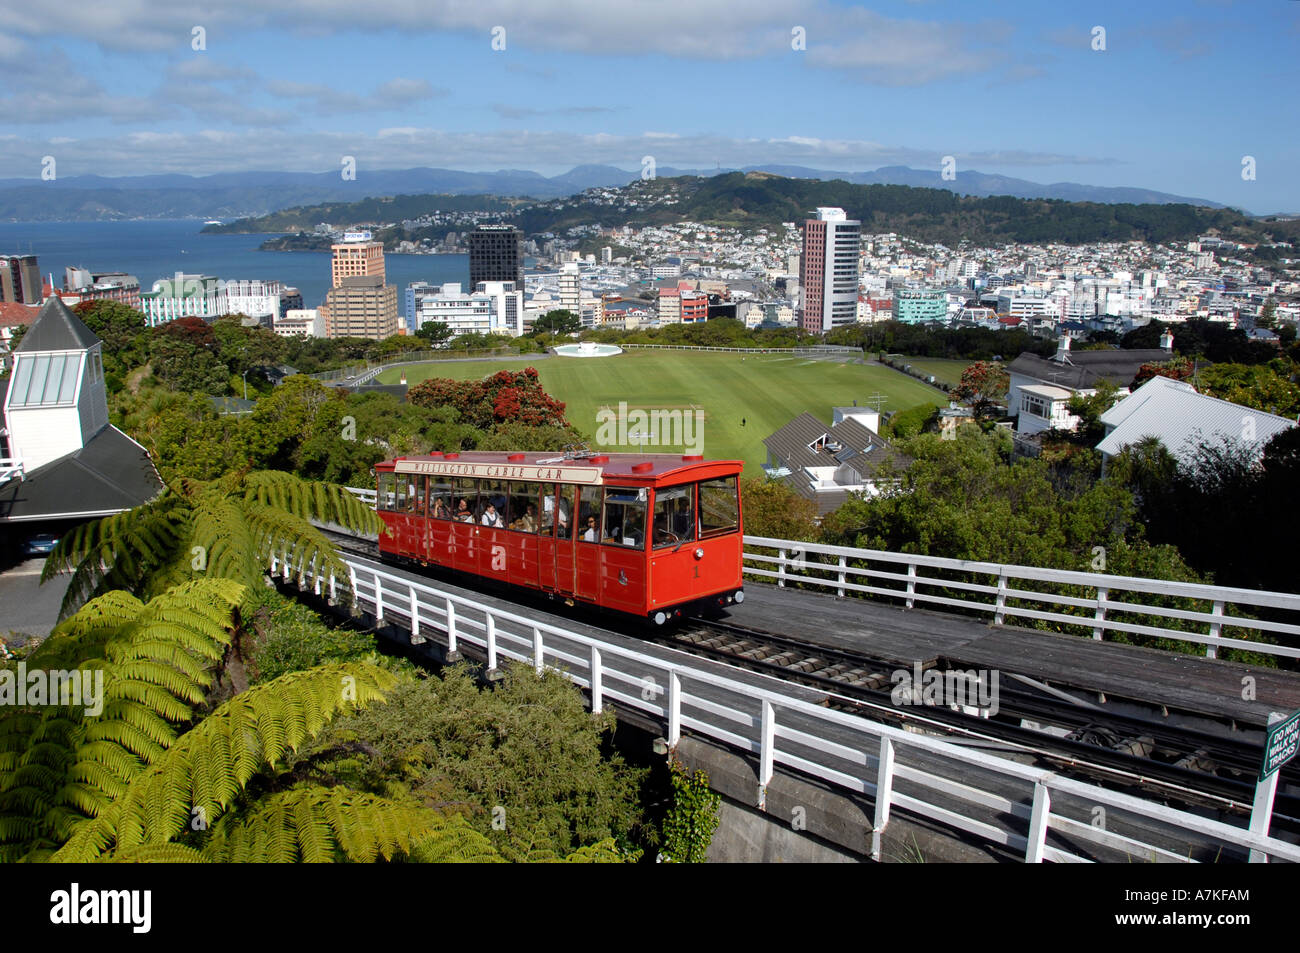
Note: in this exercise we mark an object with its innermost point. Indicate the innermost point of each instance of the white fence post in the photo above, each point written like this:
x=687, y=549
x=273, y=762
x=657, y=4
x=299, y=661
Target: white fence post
x=1216, y=629
x=597, y=688
x=379, y=599
x=840, y=591
x=911, y=585
x=884, y=792
x=334, y=592
x=1038, y=824
x=1099, y=617
x=491, y=642
x=538, y=649
x=415, y=616
x=766, y=752
x=780, y=569
x=674, y=709
x=451, y=627
x=999, y=613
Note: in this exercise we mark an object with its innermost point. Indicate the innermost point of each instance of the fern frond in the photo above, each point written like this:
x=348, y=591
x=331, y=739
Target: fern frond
x=317, y=825
x=210, y=764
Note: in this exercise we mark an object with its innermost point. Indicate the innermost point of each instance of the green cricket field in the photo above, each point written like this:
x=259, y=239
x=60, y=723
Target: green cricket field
x=742, y=397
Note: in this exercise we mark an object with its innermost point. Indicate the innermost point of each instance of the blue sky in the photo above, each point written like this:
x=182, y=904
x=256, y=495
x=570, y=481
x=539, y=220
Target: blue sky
x=1180, y=94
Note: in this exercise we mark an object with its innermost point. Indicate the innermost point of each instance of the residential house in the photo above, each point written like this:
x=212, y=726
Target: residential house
x=827, y=464
x=1041, y=388
x=1180, y=418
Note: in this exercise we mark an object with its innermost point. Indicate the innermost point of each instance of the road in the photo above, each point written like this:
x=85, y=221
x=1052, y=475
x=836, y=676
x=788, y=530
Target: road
x=28, y=609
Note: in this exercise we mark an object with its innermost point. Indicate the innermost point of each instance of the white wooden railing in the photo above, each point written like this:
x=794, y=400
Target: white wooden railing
x=1110, y=603
x=896, y=768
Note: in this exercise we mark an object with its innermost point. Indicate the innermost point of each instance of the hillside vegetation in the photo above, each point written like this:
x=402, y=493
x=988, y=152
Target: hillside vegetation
x=762, y=200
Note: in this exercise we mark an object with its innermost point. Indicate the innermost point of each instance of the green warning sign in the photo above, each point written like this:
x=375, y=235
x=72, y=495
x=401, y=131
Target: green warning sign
x=1280, y=745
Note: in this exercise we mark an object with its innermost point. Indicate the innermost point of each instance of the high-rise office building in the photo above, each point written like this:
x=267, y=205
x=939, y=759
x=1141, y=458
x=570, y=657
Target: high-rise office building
x=828, y=270
x=361, y=307
x=496, y=253
x=357, y=257
x=20, y=279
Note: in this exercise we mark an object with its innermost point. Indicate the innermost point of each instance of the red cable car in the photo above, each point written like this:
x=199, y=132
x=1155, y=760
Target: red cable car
x=648, y=534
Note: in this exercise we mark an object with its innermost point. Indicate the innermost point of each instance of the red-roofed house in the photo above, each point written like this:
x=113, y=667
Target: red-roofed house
x=12, y=317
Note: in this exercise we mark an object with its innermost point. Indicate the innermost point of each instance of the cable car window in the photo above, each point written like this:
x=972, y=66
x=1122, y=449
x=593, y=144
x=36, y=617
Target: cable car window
x=386, y=494
x=674, y=520
x=523, y=507
x=557, y=510
x=400, y=492
x=415, y=494
x=589, y=515
x=464, y=493
x=440, y=500
x=492, y=495
x=625, y=516
x=719, y=507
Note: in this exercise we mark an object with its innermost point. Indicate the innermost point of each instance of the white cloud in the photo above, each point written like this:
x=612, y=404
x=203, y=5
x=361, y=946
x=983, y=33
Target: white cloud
x=220, y=150
x=882, y=49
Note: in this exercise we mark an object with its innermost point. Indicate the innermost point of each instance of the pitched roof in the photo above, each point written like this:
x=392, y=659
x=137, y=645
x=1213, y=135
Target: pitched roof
x=56, y=328
x=12, y=313
x=1180, y=418
x=109, y=474
x=862, y=451
x=1086, y=369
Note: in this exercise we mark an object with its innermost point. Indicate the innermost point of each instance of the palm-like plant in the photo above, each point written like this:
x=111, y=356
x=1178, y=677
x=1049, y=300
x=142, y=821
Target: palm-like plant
x=225, y=528
x=131, y=783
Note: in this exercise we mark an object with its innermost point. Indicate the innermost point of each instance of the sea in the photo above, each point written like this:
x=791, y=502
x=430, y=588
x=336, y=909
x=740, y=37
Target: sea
x=152, y=250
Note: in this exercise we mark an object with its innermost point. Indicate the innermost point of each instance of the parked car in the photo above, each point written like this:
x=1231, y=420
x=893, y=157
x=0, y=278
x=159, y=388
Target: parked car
x=40, y=545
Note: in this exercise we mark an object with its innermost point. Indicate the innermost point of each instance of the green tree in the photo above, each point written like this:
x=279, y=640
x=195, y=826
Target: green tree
x=435, y=332
x=1268, y=387
x=524, y=763
x=559, y=322
x=771, y=508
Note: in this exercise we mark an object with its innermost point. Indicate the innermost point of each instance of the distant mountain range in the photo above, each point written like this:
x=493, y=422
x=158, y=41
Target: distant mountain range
x=230, y=195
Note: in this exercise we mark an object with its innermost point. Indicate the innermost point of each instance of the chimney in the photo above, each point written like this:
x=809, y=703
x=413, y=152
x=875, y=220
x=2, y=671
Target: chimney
x=1167, y=341
x=1063, y=348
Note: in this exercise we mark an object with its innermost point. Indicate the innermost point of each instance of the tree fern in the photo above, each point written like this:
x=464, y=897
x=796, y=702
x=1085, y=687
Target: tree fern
x=60, y=766
x=203, y=772
x=227, y=528
x=319, y=824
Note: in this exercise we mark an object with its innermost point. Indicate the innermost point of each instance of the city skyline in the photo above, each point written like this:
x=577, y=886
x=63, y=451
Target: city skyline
x=1151, y=102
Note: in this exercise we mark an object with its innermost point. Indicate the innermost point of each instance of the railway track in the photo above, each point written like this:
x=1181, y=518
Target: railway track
x=1143, y=756
x=1140, y=754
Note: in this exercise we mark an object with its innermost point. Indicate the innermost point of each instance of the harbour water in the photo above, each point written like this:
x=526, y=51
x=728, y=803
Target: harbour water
x=152, y=250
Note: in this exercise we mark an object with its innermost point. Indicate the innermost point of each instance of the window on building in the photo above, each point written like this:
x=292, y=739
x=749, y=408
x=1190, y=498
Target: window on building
x=1035, y=406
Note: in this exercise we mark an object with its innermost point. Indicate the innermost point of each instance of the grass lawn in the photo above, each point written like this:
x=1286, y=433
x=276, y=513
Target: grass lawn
x=765, y=391
x=944, y=370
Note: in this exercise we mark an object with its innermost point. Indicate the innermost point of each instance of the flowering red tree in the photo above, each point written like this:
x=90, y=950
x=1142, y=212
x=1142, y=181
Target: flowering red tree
x=981, y=384
x=504, y=397
x=1179, y=369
